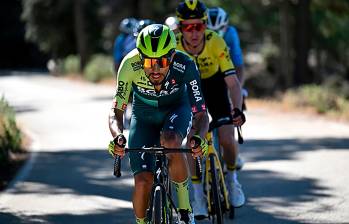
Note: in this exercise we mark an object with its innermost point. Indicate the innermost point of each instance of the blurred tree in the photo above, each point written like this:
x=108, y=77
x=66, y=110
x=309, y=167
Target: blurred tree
x=302, y=45
x=58, y=26
x=80, y=32
x=15, y=51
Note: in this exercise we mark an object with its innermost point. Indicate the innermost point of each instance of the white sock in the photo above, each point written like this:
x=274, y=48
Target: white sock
x=198, y=190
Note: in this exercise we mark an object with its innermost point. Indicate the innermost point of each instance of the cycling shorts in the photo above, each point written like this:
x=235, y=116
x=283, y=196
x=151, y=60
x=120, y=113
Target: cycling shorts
x=145, y=131
x=216, y=96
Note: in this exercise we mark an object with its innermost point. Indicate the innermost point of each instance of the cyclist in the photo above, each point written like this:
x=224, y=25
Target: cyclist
x=217, y=20
x=220, y=85
x=166, y=95
x=124, y=40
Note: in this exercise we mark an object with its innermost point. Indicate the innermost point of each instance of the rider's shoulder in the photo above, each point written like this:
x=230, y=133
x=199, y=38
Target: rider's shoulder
x=132, y=60
x=211, y=36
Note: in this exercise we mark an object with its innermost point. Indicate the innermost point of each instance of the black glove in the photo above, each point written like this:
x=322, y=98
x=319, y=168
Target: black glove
x=237, y=113
x=123, y=139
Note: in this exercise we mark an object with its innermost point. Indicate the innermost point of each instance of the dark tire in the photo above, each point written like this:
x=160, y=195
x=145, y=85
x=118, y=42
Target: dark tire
x=217, y=207
x=157, y=207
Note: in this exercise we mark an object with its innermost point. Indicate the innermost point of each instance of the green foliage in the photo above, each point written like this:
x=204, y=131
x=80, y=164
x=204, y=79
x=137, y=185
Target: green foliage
x=323, y=99
x=10, y=135
x=71, y=64
x=51, y=25
x=98, y=68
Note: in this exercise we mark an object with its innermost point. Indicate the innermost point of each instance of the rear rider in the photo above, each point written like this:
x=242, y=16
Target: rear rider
x=166, y=95
x=218, y=20
x=221, y=88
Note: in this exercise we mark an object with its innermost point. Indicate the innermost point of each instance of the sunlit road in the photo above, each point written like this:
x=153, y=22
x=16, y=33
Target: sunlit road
x=296, y=167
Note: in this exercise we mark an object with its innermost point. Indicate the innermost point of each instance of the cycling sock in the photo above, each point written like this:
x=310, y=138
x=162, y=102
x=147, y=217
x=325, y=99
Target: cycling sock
x=231, y=177
x=198, y=190
x=140, y=220
x=231, y=167
x=195, y=179
x=183, y=195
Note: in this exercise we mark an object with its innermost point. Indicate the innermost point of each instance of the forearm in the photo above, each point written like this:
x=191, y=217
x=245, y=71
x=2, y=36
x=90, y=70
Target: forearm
x=116, y=122
x=234, y=89
x=240, y=74
x=200, y=124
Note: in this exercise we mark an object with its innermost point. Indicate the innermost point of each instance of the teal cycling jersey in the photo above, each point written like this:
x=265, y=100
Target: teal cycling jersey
x=181, y=84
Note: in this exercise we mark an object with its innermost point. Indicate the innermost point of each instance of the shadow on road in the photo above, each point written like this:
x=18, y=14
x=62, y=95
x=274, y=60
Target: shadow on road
x=89, y=173
x=286, y=149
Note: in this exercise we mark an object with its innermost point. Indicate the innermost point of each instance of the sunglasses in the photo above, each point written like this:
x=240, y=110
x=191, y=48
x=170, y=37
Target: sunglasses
x=194, y=26
x=162, y=62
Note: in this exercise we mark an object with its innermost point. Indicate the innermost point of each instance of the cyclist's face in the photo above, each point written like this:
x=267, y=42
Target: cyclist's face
x=193, y=31
x=156, y=70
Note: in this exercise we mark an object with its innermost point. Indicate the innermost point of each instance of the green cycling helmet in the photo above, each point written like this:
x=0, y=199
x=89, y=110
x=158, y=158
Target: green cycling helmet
x=155, y=41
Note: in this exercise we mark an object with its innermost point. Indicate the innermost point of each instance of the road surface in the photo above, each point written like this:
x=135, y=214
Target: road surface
x=296, y=167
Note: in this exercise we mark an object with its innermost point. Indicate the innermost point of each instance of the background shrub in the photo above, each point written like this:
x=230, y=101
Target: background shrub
x=98, y=68
x=10, y=135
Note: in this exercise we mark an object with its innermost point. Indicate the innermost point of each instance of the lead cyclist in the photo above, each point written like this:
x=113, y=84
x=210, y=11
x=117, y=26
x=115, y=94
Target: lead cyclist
x=166, y=96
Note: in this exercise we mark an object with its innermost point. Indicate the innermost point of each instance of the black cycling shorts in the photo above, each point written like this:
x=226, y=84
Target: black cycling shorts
x=216, y=96
x=145, y=130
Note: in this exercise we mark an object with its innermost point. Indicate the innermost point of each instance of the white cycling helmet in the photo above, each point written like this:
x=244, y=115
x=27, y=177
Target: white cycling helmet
x=217, y=20
x=171, y=22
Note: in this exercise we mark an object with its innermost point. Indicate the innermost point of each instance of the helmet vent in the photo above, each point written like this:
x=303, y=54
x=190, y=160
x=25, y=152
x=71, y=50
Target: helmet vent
x=142, y=40
x=154, y=43
x=168, y=39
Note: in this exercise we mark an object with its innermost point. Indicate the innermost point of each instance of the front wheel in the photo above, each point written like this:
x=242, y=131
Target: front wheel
x=216, y=207
x=157, y=207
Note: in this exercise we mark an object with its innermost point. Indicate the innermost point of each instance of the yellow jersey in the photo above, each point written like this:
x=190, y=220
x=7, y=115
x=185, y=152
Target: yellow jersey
x=213, y=58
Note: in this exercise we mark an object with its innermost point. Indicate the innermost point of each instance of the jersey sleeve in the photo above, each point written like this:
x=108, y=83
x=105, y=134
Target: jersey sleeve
x=233, y=42
x=123, y=85
x=192, y=80
x=221, y=51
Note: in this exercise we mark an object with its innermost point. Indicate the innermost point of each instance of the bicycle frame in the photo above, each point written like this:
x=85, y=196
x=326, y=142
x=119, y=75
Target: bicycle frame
x=208, y=178
x=161, y=183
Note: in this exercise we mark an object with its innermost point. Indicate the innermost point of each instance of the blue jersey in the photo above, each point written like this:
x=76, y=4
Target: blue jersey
x=123, y=44
x=231, y=37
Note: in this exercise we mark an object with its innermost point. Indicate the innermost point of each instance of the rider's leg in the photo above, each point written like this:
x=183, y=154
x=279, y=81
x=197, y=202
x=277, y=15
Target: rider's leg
x=178, y=168
x=226, y=140
x=143, y=185
x=230, y=147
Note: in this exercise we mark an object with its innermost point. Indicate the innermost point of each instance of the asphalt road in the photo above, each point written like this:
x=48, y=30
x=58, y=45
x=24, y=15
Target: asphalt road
x=296, y=167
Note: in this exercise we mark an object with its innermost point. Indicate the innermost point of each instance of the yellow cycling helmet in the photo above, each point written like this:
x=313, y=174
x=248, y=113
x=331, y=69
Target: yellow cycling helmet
x=191, y=9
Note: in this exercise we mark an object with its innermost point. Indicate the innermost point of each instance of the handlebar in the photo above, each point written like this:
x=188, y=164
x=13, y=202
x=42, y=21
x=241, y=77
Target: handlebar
x=152, y=150
x=224, y=121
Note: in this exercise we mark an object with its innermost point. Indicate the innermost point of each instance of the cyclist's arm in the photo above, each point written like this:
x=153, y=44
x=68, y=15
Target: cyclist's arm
x=123, y=89
x=228, y=69
x=200, y=118
x=233, y=42
x=234, y=89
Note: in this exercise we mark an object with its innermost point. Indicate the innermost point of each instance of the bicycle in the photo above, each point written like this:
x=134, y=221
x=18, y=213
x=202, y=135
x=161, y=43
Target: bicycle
x=214, y=182
x=161, y=204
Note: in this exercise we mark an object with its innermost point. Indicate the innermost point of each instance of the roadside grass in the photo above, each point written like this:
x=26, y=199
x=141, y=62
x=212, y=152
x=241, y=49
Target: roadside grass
x=12, y=153
x=309, y=99
x=324, y=100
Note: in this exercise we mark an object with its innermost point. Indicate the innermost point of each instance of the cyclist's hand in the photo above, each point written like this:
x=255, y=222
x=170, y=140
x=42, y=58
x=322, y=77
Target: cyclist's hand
x=238, y=117
x=198, y=145
x=117, y=146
